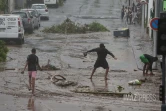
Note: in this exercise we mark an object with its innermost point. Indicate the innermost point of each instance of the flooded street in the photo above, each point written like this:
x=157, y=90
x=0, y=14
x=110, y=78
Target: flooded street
x=66, y=52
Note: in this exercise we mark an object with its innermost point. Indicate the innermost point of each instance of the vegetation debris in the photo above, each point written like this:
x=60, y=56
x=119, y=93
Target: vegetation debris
x=71, y=27
x=3, y=51
x=49, y=67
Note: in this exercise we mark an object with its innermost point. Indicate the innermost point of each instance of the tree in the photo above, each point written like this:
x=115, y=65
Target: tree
x=3, y=51
x=2, y=5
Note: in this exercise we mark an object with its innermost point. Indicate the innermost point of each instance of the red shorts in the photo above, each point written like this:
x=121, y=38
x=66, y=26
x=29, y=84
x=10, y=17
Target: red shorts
x=32, y=74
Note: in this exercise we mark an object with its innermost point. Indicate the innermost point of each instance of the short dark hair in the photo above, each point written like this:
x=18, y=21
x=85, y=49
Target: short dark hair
x=33, y=50
x=102, y=45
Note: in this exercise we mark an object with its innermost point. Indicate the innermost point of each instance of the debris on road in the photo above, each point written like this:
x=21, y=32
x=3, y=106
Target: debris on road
x=122, y=32
x=49, y=67
x=61, y=81
x=3, y=51
x=66, y=83
x=87, y=90
x=120, y=88
x=118, y=71
x=69, y=26
x=135, y=82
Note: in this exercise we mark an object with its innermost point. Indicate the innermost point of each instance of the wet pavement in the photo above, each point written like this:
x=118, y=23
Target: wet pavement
x=66, y=53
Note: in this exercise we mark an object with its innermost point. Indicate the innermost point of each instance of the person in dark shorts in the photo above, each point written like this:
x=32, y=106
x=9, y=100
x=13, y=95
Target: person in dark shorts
x=148, y=62
x=32, y=63
x=101, y=60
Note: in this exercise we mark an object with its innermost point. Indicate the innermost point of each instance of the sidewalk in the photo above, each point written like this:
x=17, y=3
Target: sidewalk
x=140, y=42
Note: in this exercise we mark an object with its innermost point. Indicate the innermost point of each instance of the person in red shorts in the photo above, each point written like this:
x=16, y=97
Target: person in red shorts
x=32, y=63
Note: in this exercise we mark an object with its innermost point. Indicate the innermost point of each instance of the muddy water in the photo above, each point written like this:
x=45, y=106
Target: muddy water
x=63, y=104
x=66, y=52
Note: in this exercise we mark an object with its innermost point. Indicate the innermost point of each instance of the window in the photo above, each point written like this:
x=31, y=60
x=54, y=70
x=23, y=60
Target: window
x=33, y=13
x=38, y=6
x=22, y=14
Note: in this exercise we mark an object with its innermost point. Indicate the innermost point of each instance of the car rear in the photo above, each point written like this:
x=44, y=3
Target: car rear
x=11, y=28
x=42, y=9
x=50, y=2
x=27, y=22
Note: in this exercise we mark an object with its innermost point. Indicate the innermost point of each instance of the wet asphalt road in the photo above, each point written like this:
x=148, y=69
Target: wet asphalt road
x=65, y=52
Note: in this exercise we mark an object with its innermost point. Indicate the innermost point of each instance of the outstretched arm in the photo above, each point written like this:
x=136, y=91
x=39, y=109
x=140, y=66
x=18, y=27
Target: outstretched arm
x=111, y=55
x=25, y=67
x=93, y=50
x=37, y=62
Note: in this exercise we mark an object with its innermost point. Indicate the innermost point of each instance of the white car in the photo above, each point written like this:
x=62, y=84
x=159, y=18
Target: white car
x=42, y=9
x=51, y=2
x=11, y=28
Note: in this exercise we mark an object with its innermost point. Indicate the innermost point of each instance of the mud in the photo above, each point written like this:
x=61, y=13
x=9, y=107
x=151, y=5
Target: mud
x=66, y=53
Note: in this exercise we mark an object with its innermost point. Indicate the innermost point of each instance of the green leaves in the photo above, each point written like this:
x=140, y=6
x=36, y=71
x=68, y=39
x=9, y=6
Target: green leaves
x=69, y=26
x=3, y=51
x=2, y=5
x=97, y=27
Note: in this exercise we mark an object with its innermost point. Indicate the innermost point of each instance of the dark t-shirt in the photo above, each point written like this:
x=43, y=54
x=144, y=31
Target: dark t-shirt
x=150, y=58
x=32, y=60
x=102, y=53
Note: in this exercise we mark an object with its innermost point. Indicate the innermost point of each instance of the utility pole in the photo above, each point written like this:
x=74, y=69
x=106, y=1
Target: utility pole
x=163, y=106
x=155, y=33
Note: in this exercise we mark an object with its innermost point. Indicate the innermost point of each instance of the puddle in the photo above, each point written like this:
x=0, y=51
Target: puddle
x=31, y=103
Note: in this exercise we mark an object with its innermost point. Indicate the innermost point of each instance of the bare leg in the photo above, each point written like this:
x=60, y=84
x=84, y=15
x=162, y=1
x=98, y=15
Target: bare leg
x=92, y=73
x=30, y=84
x=144, y=68
x=33, y=85
x=106, y=74
x=147, y=68
x=150, y=69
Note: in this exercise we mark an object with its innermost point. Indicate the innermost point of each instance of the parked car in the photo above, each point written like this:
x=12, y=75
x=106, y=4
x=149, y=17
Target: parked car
x=36, y=16
x=51, y=2
x=42, y=9
x=11, y=28
x=28, y=20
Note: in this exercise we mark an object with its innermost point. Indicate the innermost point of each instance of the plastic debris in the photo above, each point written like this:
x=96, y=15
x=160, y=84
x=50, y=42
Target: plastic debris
x=135, y=82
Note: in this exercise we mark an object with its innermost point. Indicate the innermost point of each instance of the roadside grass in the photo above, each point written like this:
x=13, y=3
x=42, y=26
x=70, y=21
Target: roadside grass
x=3, y=51
x=60, y=2
x=70, y=27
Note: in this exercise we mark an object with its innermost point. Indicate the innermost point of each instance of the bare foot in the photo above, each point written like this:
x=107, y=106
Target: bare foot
x=151, y=74
x=145, y=74
x=30, y=88
x=90, y=78
x=107, y=78
x=33, y=94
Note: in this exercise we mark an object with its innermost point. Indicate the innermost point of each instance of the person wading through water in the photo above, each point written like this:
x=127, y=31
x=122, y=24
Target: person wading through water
x=32, y=62
x=101, y=60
